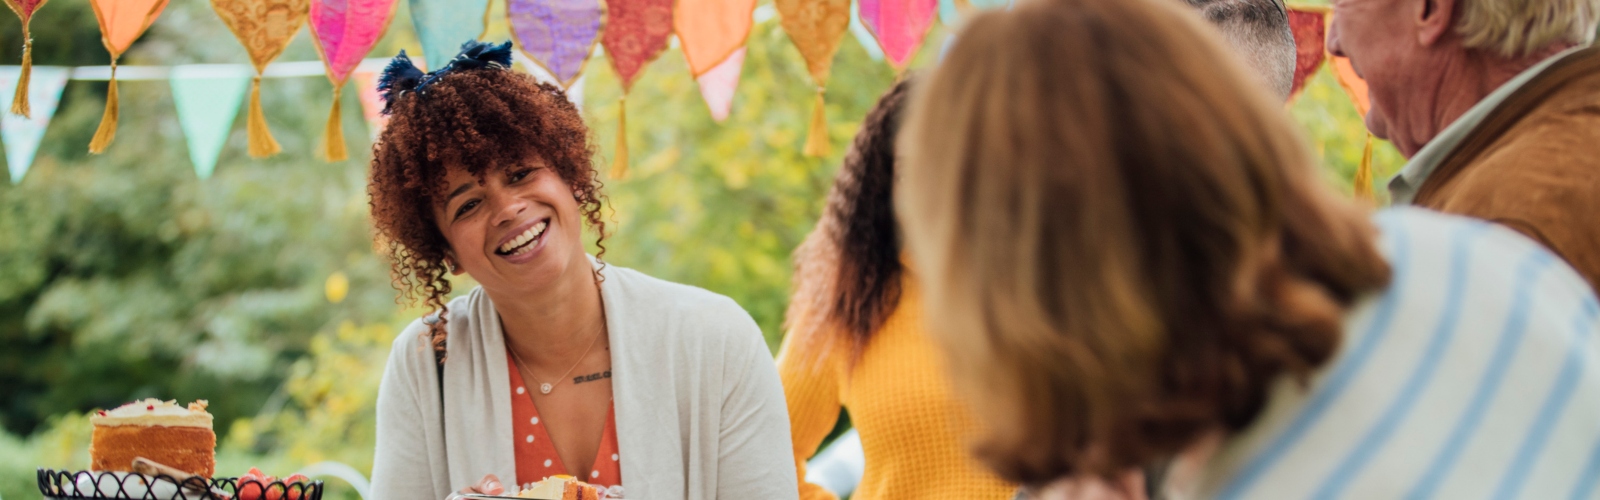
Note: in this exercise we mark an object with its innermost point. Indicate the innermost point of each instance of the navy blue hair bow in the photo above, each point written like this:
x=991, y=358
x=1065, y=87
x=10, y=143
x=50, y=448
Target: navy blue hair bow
x=402, y=76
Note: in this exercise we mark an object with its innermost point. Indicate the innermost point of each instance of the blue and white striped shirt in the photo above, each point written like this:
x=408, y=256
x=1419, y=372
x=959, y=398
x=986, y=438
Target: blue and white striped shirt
x=1475, y=374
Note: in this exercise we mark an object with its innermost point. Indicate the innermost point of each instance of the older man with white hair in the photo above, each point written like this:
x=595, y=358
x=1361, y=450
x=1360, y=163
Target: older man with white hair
x=1497, y=105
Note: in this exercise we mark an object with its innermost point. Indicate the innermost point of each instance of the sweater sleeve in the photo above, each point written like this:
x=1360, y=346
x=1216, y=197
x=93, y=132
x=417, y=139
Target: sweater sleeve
x=400, y=465
x=811, y=388
x=752, y=459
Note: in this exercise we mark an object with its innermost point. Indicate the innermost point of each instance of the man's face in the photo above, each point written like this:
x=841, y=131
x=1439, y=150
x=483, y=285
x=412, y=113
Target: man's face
x=1381, y=39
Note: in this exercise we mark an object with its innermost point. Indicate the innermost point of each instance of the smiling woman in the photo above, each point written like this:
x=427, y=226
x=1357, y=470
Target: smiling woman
x=485, y=172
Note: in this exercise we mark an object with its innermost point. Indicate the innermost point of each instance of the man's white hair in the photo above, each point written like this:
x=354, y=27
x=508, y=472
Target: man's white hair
x=1518, y=28
x=1259, y=32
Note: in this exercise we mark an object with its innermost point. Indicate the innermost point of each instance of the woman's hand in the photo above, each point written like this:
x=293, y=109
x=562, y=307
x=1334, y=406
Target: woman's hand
x=489, y=485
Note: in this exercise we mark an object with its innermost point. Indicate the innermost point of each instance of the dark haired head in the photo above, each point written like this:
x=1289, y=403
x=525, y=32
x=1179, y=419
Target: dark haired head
x=848, y=271
x=476, y=117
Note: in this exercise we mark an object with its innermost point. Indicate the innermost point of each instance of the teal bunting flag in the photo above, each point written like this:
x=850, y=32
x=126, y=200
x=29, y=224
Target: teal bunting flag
x=208, y=97
x=443, y=25
x=20, y=134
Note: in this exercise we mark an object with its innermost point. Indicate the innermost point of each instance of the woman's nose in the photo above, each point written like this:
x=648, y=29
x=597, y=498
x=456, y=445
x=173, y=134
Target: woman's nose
x=507, y=208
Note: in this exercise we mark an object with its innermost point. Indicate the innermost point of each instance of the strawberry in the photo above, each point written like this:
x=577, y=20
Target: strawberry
x=295, y=493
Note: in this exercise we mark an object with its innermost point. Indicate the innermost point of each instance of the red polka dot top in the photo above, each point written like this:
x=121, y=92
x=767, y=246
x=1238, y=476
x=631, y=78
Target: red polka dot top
x=536, y=454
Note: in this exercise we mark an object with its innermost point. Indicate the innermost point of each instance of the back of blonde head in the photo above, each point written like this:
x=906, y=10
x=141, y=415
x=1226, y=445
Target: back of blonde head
x=1122, y=238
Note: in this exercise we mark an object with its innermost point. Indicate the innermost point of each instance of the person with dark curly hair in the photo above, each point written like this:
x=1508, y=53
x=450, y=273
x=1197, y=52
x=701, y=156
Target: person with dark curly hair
x=556, y=363
x=856, y=340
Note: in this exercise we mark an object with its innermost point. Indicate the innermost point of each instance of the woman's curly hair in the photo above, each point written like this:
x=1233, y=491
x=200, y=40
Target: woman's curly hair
x=848, y=271
x=479, y=120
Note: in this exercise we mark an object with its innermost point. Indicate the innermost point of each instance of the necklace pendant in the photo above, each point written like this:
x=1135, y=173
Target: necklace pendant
x=545, y=388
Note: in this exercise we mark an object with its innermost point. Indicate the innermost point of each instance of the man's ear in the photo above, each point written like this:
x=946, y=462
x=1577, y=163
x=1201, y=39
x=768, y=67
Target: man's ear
x=1434, y=19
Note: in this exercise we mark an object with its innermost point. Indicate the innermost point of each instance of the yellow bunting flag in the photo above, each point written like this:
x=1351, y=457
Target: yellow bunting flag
x=121, y=22
x=1356, y=88
x=265, y=28
x=816, y=27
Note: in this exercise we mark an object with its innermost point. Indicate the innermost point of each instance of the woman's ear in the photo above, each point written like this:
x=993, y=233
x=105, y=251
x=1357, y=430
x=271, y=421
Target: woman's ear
x=451, y=265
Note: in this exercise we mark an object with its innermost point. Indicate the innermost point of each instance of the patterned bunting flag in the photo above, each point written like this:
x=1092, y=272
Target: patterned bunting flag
x=24, y=10
x=864, y=37
x=899, y=26
x=574, y=91
x=1309, y=25
x=344, y=32
x=556, y=35
x=207, y=97
x=265, y=28
x=21, y=134
x=717, y=85
x=712, y=32
x=121, y=22
x=371, y=102
x=816, y=27
x=443, y=25
x=636, y=33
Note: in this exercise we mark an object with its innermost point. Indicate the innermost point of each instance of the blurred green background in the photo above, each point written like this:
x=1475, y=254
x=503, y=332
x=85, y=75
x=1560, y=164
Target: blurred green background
x=123, y=276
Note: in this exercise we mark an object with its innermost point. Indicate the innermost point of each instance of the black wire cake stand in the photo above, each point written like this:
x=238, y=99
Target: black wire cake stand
x=56, y=484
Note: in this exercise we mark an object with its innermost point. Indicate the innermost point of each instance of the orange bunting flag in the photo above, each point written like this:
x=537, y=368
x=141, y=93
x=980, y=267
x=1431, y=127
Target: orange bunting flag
x=636, y=32
x=1310, y=28
x=121, y=22
x=24, y=10
x=344, y=32
x=816, y=27
x=265, y=28
x=712, y=33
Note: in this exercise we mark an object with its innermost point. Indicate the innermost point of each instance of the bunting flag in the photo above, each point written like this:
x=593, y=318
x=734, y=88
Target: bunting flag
x=637, y=31
x=344, y=32
x=574, y=91
x=121, y=22
x=443, y=25
x=816, y=27
x=717, y=85
x=24, y=10
x=21, y=134
x=371, y=102
x=863, y=37
x=951, y=11
x=899, y=26
x=1310, y=27
x=713, y=33
x=265, y=28
x=556, y=35
x=207, y=97
x=947, y=12
x=1356, y=88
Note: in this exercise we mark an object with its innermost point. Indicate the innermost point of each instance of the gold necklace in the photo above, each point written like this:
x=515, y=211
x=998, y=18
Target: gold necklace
x=546, y=387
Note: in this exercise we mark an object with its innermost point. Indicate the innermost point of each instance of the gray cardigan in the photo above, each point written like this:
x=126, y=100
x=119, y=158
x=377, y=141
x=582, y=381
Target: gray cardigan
x=700, y=411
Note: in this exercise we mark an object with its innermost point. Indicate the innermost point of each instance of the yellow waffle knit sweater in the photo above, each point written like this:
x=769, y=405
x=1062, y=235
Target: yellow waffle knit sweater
x=912, y=428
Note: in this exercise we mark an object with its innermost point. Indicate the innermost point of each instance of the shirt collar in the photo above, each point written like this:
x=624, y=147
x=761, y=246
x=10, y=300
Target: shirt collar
x=1403, y=187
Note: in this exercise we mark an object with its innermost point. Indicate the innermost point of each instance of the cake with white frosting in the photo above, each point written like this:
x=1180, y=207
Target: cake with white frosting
x=175, y=436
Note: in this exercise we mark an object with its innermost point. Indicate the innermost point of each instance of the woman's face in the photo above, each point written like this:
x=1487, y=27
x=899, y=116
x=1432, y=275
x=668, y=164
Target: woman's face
x=519, y=229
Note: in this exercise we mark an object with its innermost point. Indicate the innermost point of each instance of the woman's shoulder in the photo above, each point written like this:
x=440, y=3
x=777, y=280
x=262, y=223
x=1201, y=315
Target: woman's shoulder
x=691, y=309
x=413, y=346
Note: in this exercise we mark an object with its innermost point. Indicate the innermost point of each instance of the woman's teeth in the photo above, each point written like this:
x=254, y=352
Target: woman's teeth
x=523, y=239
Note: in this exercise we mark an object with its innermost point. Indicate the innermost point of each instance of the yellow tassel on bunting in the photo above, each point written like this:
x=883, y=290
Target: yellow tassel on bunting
x=19, y=102
x=817, y=136
x=335, y=133
x=108, y=121
x=1363, y=178
x=262, y=144
x=619, y=166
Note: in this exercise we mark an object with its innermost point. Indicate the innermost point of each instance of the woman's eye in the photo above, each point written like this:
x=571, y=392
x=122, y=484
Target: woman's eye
x=465, y=207
x=520, y=174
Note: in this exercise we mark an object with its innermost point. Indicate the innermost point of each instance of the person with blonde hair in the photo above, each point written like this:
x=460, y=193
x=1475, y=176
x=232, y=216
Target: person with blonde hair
x=1497, y=105
x=1129, y=259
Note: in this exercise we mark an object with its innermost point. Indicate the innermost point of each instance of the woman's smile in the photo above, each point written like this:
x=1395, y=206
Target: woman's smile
x=521, y=244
